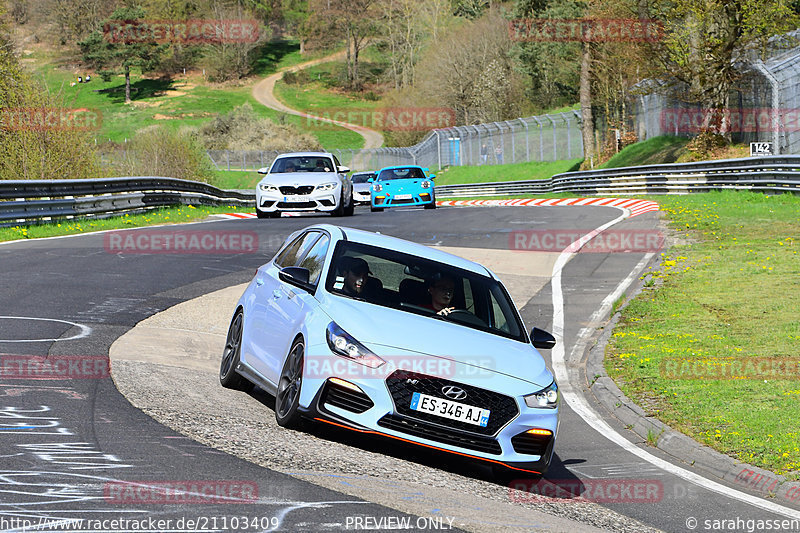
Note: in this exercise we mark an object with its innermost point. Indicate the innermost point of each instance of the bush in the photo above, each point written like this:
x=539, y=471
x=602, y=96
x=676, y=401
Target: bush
x=242, y=129
x=161, y=151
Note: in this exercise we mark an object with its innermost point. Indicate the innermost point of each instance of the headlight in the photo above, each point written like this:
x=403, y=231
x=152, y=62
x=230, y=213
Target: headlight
x=377, y=187
x=425, y=184
x=341, y=343
x=544, y=399
x=268, y=187
x=327, y=186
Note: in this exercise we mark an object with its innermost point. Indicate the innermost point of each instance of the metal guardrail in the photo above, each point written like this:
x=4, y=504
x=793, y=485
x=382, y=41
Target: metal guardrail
x=772, y=174
x=29, y=202
x=24, y=202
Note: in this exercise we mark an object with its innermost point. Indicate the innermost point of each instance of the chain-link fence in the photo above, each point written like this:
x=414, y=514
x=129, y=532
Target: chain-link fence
x=241, y=160
x=764, y=103
x=550, y=137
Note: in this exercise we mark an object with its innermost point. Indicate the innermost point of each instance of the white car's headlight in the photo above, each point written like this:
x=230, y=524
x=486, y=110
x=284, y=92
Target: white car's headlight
x=327, y=186
x=545, y=398
x=341, y=343
x=377, y=187
x=268, y=187
x=425, y=184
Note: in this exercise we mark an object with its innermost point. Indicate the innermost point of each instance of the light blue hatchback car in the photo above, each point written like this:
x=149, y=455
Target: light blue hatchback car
x=386, y=337
x=405, y=185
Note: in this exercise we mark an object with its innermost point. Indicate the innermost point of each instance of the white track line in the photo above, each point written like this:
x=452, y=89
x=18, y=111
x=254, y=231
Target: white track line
x=581, y=407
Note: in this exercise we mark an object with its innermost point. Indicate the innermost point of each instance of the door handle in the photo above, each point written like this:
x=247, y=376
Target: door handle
x=259, y=282
x=277, y=293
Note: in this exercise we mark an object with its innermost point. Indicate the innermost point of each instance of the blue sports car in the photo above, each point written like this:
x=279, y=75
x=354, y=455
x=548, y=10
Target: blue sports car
x=402, y=186
x=382, y=336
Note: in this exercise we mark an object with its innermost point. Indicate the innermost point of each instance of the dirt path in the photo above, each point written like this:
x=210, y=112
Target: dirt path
x=264, y=93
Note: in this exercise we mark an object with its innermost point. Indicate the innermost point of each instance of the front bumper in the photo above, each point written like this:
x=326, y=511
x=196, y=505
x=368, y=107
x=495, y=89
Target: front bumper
x=374, y=411
x=269, y=202
x=380, y=199
x=361, y=198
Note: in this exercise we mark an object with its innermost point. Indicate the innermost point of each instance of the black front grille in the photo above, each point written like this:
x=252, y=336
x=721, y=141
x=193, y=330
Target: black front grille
x=408, y=201
x=297, y=205
x=529, y=444
x=403, y=384
x=302, y=189
x=345, y=398
x=439, y=433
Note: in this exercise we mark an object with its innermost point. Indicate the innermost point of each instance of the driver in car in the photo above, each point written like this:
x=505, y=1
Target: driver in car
x=441, y=287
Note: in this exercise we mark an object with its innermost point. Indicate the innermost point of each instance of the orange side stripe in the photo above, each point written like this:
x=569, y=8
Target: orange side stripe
x=369, y=431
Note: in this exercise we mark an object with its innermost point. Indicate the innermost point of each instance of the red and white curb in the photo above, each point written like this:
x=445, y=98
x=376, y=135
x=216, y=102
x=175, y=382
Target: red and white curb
x=634, y=205
x=253, y=215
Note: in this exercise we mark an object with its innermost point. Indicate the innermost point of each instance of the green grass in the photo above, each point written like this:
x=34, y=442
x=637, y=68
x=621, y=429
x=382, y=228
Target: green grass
x=663, y=149
x=236, y=179
x=172, y=215
x=534, y=170
x=184, y=101
x=727, y=296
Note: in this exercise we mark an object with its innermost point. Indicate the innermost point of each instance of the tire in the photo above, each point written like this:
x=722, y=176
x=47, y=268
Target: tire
x=228, y=377
x=350, y=209
x=375, y=209
x=431, y=205
x=287, y=398
x=274, y=214
x=339, y=211
x=261, y=214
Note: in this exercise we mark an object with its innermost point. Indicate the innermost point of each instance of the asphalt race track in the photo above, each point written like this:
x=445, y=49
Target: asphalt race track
x=68, y=444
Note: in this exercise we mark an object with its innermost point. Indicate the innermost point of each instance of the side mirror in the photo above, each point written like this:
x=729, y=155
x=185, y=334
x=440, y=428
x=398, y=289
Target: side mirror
x=432, y=177
x=263, y=170
x=370, y=180
x=542, y=339
x=344, y=170
x=297, y=276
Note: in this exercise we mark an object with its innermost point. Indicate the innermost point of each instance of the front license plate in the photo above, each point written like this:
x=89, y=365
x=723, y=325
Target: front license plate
x=450, y=409
x=295, y=199
x=402, y=197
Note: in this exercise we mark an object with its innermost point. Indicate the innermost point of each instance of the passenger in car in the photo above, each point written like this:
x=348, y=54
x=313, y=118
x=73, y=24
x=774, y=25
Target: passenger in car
x=441, y=287
x=357, y=280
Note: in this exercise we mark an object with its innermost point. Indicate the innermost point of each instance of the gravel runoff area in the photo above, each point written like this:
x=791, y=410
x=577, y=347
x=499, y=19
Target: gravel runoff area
x=167, y=366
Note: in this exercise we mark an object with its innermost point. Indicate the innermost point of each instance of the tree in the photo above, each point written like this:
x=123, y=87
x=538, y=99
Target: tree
x=471, y=71
x=704, y=40
x=351, y=20
x=116, y=51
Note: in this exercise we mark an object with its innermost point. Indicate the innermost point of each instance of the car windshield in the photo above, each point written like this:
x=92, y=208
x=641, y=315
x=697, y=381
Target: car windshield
x=405, y=282
x=302, y=164
x=362, y=177
x=401, y=174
